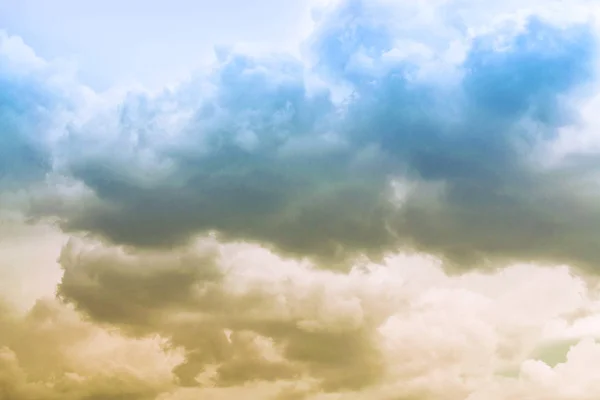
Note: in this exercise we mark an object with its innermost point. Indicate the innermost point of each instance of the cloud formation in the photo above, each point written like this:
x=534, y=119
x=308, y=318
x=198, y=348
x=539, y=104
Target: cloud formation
x=285, y=228
x=244, y=318
x=25, y=105
x=225, y=321
x=308, y=158
x=50, y=353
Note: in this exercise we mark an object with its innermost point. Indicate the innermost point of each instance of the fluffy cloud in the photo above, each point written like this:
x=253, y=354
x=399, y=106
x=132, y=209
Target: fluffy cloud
x=50, y=353
x=215, y=320
x=24, y=109
x=238, y=235
x=302, y=156
x=249, y=321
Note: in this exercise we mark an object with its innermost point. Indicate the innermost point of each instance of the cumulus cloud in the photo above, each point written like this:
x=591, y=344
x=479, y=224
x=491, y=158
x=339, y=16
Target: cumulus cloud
x=301, y=156
x=230, y=320
x=238, y=236
x=51, y=353
x=38, y=100
x=24, y=112
x=250, y=321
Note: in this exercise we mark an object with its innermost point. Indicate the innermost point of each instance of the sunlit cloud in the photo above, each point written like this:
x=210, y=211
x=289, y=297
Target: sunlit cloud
x=394, y=199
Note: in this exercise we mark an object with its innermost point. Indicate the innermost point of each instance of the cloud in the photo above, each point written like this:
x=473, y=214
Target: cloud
x=39, y=99
x=210, y=219
x=24, y=107
x=225, y=315
x=50, y=353
x=250, y=322
x=25, y=275
x=226, y=320
x=303, y=158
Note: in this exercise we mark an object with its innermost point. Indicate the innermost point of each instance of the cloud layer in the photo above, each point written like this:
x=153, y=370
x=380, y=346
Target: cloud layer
x=292, y=228
x=382, y=142
x=224, y=321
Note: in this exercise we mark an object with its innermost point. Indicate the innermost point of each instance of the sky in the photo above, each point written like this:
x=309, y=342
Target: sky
x=300, y=200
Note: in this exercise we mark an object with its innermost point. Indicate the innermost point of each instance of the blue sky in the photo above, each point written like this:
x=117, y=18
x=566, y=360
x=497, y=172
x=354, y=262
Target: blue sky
x=153, y=43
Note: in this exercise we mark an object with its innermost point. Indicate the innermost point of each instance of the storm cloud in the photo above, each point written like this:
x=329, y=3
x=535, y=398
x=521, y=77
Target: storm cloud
x=379, y=143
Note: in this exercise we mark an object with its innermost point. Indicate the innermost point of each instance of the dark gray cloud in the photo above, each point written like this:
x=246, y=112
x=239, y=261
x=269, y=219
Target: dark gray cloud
x=261, y=161
x=257, y=152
